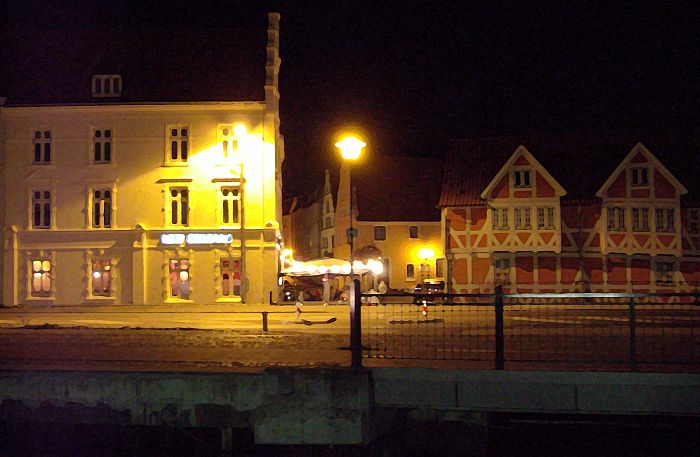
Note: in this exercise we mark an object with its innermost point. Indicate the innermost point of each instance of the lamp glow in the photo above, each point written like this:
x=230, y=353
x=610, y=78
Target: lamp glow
x=350, y=147
x=426, y=253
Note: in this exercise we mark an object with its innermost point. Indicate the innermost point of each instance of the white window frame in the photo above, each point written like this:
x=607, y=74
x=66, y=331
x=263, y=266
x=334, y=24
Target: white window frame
x=616, y=219
x=501, y=270
x=639, y=176
x=499, y=218
x=640, y=219
x=108, y=270
x=230, y=202
x=43, y=142
x=410, y=268
x=99, y=86
x=184, y=142
x=381, y=228
x=665, y=220
x=169, y=270
x=104, y=142
x=178, y=200
x=522, y=178
x=91, y=206
x=232, y=296
x=42, y=201
x=42, y=259
x=522, y=218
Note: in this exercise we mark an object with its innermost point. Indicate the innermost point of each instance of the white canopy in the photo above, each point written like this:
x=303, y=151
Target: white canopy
x=331, y=266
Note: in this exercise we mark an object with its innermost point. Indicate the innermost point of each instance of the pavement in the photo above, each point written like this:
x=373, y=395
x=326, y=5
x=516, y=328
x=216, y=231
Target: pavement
x=176, y=316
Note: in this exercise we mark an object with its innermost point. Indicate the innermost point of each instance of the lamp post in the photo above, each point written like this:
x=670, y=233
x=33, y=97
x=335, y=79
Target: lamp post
x=350, y=149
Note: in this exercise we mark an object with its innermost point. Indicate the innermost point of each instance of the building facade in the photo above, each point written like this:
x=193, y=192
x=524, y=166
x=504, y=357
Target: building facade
x=569, y=215
x=127, y=192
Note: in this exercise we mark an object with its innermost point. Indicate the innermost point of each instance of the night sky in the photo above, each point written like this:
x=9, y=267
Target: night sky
x=412, y=75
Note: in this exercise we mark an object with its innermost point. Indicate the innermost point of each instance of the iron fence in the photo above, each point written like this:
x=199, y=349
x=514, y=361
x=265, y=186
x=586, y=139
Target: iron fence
x=631, y=331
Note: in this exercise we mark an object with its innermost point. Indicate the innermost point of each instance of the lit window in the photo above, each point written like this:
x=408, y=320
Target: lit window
x=42, y=147
x=640, y=219
x=501, y=270
x=522, y=218
x=230, y=205
x=499, y=218
x=102, y=208
x=413, y=231
x=101, y=277
x=663, y=271
x=639, y=176
x=41, y=209
x=41, y=278
x=440, y=268
x=230, y=277
x=410, y=271
x=521, y=178
x=616, y=219
x=106, y=85
x=102, y=146
x=179, y=278
x=665, y=220
x=693, y=221
x=178, y=140
x=379, y=232
x=179, y=206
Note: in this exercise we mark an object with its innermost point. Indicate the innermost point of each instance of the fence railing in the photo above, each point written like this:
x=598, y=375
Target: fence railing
x=630, y=331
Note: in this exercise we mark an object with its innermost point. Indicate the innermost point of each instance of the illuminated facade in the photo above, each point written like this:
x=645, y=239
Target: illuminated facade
x=570, y=215
x=122, y=192
x=395, y=211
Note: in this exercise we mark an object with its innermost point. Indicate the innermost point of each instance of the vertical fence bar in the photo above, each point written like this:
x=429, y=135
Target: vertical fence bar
x=633, y=334
x=356, y=325
x=500, y=346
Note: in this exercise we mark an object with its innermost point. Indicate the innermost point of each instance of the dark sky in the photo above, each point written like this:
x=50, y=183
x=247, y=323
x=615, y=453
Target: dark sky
x=412, y=75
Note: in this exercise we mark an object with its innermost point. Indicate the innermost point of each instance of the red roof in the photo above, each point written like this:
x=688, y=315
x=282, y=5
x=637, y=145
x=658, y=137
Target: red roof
x=581, y=163
x=51, y=67
x=398, y=189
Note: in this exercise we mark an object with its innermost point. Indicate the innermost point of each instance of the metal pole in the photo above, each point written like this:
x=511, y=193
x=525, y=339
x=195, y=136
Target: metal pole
x=352, y=234
x=264, y=321
x=633, y=335
x=356, y=325
x=498, y=308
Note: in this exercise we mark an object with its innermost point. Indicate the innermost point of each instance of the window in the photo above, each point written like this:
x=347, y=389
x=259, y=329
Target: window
x=102, y=208
x=379, y=232
x=41, y=209
x=179, y=278
x=41, y=278
x=42, y=147
x=501, y=270
x=179, y=206
x=616, y=219
x=499, y=218
x=324, y=243
x=413, y=231
x=106, y=85
x=440, y=268
x=693, y=221
x=639, y=176
x=665, y=220
x=102, y=146
x=229, y=141
x=521, y=178
x=410, y=271
x=178, y=139
x=231, y=202
x=327, y=223
x=663, y=271
x=230, y=277
x=522, y=218
x=640, y=219
x=101, y=277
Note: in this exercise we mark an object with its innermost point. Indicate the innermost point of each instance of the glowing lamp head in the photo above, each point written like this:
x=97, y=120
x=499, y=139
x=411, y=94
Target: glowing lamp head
x=240, y=130
x=426, y=253
x=350, y=147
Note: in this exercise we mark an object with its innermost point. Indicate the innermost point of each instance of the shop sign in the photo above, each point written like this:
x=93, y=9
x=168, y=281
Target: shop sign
x=196, y=238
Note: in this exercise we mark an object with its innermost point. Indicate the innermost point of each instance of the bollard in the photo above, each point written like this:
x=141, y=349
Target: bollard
x=264, y=319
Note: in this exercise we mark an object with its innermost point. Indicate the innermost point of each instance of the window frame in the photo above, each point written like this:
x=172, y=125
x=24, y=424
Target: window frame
x=170, y=199
x=221, y=296
x=616, y=219
x=639, y=176
x=379, y=229
x=91, y=206
x=410, y=268
x=668, y=220
x=693, y=221
x=42, y=201
x=499, y=218
x=42, y=258
x=522, y=219
x=169, y=139
x=501, y=270
x=664, y=276
x=640, y=219
x=102, y=142
x=108, y=268
x=522, y=178
x=413, y=232
x=233, y=202
x=115, y=80
x=44, y=142
x=169, y=269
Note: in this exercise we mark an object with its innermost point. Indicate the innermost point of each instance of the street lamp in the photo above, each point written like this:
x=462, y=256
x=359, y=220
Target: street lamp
x=350, y=149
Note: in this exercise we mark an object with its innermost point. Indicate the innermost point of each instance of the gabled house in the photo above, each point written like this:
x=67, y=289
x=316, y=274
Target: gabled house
x=570, y=213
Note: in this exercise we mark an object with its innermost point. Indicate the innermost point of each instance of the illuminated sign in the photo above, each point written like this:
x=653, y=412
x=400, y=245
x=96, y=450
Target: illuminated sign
x=196, y=238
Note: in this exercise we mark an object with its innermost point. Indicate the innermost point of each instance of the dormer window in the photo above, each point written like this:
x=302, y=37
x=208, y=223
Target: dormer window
x=639, y=176
x=106, y=85
x=521, y=178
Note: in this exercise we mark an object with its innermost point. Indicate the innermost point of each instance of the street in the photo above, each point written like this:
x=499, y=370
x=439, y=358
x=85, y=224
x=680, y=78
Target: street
x=215, y=339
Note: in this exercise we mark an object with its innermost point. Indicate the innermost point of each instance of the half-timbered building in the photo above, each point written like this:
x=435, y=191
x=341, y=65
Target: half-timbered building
x=571, y=214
